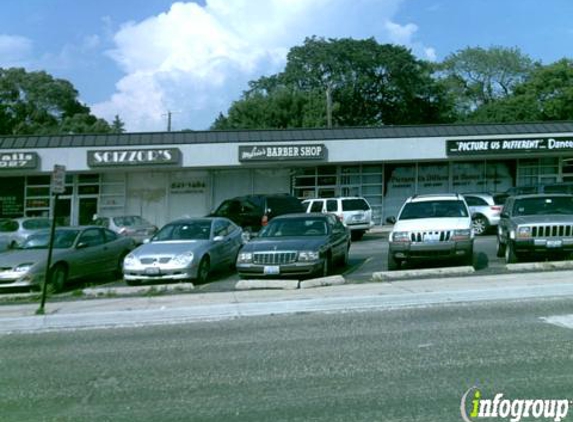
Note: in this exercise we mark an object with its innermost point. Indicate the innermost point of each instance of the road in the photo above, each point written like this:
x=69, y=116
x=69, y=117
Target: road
x=385, y=365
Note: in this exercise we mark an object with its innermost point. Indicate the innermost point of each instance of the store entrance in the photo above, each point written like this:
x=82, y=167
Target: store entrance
x=87, y=208
x=63, y=211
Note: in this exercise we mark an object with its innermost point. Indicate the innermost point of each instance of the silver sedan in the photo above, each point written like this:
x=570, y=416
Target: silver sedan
x=189, y=248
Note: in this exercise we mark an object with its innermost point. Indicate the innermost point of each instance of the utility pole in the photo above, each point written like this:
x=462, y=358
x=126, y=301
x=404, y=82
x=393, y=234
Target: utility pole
x=169, y=114
x=328, y=105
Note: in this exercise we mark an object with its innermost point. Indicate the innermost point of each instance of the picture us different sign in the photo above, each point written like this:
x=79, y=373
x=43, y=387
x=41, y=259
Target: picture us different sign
x=501, y=146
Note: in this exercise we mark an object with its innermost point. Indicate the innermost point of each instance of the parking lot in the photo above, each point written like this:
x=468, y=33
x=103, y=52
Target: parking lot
x=368, y=256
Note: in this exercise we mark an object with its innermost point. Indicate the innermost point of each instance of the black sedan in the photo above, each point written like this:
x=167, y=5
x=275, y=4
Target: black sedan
x=301, y=245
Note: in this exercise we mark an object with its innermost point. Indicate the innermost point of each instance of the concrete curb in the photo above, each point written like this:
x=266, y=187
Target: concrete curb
x=137, y=290
x=540, y=266
x=334, y=280
x=426, y=272
x=267, y=284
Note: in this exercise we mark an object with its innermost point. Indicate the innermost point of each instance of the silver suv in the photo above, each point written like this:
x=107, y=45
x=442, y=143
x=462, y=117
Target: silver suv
x=485, y=209
x=429, y=228
x=353, y=211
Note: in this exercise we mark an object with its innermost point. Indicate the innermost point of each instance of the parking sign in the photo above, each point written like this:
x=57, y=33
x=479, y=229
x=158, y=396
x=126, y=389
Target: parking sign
x=58, y=179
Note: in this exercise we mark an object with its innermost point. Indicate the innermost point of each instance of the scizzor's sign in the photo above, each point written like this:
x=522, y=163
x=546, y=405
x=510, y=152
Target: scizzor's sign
x=501, y=146
x=133, y=157
x=282, y=152
x=18, y=160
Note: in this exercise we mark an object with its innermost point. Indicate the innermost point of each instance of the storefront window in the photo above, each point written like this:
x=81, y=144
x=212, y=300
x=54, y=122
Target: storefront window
x=433, y=178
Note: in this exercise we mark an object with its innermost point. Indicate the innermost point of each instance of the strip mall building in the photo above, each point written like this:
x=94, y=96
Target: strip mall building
x=163, y=176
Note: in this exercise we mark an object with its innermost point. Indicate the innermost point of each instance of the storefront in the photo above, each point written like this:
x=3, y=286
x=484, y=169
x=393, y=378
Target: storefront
x=163, y=176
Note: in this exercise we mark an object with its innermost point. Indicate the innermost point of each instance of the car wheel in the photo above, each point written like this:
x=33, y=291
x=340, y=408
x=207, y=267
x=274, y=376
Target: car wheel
x=325, y=266
x=510, y=255
x=203, y=270
x=393, y=263
x=469, y=258
x=357, y=234
x=344, y=260
x=118, y=272
x=58, y=278
x=480, y=225
x=500, y=252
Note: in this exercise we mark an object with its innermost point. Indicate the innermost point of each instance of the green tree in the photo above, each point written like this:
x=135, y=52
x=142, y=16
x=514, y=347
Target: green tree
x=546, y=95
x=367, y=83
x=37, y=103
x=476, y=76
x=117, y=126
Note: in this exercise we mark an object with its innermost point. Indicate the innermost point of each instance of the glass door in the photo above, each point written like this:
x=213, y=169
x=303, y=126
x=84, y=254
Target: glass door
x=87, y=209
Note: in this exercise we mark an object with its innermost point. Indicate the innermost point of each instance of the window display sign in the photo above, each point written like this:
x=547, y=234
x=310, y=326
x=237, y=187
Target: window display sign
x=12, y=197
x=133, y=157
x=18, y=160
x=282, y=152
x=502, y=146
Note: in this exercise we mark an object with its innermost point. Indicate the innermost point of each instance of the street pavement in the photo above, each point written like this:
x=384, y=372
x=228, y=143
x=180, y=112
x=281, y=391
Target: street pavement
x=382, y=364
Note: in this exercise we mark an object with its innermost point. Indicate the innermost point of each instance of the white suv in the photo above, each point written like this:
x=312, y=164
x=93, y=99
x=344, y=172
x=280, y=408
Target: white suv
x=431, y=227
x=354, y=212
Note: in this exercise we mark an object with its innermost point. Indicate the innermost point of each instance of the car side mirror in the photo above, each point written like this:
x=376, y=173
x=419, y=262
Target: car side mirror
x=218, y=238
x=82, y=245
x=504, y=215
x=391, y=220
x=146, y=240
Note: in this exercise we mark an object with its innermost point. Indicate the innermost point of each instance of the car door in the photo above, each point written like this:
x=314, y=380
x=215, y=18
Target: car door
x=338, y=237
x=90, y=253
x=223, y=249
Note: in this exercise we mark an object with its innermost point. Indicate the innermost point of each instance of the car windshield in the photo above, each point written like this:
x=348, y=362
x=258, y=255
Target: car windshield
x=130, y=221
x=433, y=209
x=188, y=230
x=295, y=227
x=544, y=205
x=36, y=223
x=63, y=239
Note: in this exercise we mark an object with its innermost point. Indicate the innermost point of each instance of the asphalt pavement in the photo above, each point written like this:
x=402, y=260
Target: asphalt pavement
x=407, y=364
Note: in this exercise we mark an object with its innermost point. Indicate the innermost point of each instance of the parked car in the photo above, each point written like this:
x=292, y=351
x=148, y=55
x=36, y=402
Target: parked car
x=431, y=227
x=301, y=245
x=78, y=252
x=188, y=248
x=536, y=225
x=485, y=209
x=553, y=187
x=252, y=212
x=134, y=226
x=354, y=212
x=15, y=231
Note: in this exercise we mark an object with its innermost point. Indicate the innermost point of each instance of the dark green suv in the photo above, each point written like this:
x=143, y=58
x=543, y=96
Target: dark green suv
x=251, y=212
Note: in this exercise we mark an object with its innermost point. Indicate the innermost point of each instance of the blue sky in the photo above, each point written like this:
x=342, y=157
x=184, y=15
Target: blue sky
x=141, y=58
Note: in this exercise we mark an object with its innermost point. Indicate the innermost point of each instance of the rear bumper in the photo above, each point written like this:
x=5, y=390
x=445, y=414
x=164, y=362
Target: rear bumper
x=430, y=251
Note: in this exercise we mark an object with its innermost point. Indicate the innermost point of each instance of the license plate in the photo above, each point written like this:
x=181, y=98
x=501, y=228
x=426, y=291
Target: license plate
x=429, y=238
x=554, y=243
x=272, y=269
x=152, y=271
x=359, y=217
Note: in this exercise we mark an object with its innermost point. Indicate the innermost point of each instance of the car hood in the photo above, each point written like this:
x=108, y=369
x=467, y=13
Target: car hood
x=544, y=219
x=457, y=223
x=170, y=247
x=285, y=243
x=15, y=257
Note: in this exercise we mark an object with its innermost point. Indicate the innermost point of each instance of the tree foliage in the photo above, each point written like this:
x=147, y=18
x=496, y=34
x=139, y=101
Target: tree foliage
x=546, y=95
x=37, y=103
x=475, y=76
x=369, y=84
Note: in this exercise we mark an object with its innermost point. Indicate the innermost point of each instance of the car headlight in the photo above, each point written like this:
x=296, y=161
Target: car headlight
x=130, y=259
x=245, y=257
x=464, y=234
x=23, y=268
x=308, y=256
x=400, y=237
x=524, y=232
x=183, y=259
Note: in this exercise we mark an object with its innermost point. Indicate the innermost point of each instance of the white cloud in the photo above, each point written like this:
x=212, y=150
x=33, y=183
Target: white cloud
x=15, y=51
x=196, y=60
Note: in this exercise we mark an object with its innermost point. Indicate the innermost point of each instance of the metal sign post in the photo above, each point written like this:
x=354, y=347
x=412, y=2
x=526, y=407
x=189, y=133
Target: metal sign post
x=57, y=187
